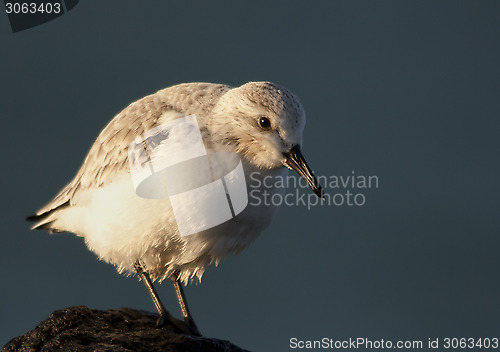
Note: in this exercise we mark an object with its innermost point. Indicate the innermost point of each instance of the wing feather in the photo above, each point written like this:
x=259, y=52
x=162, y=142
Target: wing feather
x=109, y=153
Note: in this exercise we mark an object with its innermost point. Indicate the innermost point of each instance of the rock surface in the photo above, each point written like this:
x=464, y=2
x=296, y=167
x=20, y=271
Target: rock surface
x=124, y=329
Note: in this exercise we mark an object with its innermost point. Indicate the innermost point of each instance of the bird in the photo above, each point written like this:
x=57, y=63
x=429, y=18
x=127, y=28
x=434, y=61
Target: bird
x=260, y=124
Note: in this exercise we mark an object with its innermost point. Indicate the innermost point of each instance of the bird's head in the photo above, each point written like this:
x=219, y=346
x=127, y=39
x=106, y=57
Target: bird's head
x=263, y=122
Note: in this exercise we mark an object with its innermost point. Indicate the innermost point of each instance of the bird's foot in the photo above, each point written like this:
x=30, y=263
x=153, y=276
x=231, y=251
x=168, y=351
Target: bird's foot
x=192, y=326
x=160, y=322
x=187, y=329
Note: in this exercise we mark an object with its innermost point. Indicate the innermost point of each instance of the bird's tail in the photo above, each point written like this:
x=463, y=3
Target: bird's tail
x=44, y=220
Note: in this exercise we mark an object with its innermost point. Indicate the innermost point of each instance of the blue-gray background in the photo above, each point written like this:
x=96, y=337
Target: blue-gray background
x=407, y=91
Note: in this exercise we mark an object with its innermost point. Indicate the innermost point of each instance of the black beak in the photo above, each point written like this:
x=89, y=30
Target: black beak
x=295, y=161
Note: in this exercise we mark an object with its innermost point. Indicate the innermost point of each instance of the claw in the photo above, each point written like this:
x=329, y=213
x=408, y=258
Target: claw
x=160, y=322
x=179, y=324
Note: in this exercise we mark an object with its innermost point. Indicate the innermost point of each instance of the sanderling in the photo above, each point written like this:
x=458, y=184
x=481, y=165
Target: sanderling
x=132, y=219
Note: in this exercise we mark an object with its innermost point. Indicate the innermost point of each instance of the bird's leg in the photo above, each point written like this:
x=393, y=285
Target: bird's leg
x=188, y=319
x=162, y=311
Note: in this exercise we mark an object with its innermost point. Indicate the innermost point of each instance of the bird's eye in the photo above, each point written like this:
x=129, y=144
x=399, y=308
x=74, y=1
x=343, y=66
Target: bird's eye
x=264, y=123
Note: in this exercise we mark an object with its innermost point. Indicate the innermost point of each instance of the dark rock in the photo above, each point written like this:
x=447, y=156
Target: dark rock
x=124, y=329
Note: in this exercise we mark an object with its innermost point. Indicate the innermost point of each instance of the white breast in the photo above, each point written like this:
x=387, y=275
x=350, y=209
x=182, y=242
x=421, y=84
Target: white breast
x=121, y=227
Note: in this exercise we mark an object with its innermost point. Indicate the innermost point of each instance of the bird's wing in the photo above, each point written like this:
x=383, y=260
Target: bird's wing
x=109, y=153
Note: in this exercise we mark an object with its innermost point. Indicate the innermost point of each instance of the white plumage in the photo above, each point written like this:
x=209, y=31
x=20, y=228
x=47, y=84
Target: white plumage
x=101, y=205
